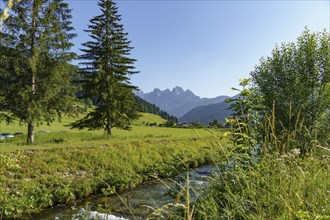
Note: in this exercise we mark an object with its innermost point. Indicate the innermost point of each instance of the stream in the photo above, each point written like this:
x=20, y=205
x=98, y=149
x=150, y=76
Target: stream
x=133, y=203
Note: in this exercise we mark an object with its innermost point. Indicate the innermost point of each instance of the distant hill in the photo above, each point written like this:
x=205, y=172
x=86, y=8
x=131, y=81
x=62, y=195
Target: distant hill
x=207, y=113
x=144, y=106
x=177, y=101
x=148, y=118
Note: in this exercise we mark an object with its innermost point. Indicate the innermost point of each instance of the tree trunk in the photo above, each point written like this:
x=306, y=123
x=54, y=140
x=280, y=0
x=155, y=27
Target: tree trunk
x=108, y=129
x=30, y=136
x=108, y=125
x=33, y=49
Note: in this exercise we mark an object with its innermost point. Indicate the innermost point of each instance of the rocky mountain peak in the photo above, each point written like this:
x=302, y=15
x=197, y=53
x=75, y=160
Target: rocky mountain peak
x=177, y=90
x=177, y=101
x=157, y=92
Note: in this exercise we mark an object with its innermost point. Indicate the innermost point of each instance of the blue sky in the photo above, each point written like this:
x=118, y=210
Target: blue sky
x=204, y=46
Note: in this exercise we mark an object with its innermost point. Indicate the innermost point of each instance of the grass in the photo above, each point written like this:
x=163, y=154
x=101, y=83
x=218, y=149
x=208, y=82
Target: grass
x=75, y=138
x=32, y=180
x=62, y=136
x=66, y=165
x=148, y=118
x=62, y=125
x=279, y=187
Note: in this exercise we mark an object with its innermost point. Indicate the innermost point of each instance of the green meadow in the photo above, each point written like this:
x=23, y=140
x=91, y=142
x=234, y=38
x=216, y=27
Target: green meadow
x=65, y=165
x=59, y=134
x=62, y=125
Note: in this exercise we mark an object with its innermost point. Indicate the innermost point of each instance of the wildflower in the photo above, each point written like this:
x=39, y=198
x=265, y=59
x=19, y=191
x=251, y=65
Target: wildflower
x=295, y=151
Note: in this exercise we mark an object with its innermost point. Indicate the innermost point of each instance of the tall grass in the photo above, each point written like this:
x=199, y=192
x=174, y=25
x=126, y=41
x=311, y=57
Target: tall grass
x=278, y=187
x=289, y=178
x=266, y=173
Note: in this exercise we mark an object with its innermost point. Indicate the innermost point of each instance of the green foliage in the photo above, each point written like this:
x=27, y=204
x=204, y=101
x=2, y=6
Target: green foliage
x=322, y=125
x=293, y=81
x=169, y=124
x=106, y=72
x=35, y=75
x=215, y=123
x=277, y=180
x=197, y=124
x=245, y=121
x=4, y=15
x=247, y=103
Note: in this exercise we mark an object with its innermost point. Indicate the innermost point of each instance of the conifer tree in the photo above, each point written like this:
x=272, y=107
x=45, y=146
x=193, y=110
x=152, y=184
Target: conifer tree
x=106, y=72
x=35, y=75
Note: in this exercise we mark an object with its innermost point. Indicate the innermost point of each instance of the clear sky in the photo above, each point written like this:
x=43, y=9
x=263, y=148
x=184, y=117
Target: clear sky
x=204, y=46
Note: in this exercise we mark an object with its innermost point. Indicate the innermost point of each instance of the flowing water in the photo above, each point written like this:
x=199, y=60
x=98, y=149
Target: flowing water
x=135, y=203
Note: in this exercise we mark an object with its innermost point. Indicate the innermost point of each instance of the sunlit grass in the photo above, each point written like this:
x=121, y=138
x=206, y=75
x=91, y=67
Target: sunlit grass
x=68, y=166
x=59, y=134
x=63, y=125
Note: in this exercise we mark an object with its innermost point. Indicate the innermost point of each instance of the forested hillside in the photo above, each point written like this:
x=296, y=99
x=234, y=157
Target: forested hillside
x=144, y=106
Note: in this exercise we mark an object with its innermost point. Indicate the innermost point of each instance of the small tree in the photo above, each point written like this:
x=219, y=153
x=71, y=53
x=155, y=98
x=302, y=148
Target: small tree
x=169, y=123
x=294, y=83
x=197, y=124
x=293, y=79
x=215, y=123
x=106, y=71
x=247, y=109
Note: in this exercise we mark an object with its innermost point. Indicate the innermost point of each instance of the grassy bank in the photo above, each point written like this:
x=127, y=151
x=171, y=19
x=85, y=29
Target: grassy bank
x=65, y=166
x=274, y=186
x=279, y=187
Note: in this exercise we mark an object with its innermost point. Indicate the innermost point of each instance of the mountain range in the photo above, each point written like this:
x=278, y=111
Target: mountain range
x=187, y=106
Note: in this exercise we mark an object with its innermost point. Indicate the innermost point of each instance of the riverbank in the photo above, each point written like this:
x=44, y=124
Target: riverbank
x=287, y=186
x=33, y=180
x=138, y=203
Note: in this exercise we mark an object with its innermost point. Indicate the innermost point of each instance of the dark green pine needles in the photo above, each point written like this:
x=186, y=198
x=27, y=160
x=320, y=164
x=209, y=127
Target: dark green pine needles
x=106, y=71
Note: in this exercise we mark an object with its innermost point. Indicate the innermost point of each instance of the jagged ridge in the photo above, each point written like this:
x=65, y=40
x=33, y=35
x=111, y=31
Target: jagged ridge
x=177, y=101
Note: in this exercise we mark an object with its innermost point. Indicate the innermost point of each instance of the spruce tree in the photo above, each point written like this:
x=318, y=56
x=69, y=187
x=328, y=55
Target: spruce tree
x=35, y=75
x=106, y=71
